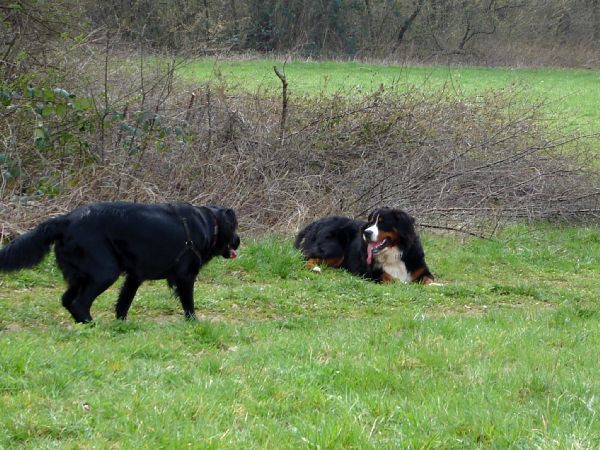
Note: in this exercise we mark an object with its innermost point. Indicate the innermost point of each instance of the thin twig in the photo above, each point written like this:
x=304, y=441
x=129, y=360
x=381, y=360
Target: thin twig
x=458, y=230
x=284, y=101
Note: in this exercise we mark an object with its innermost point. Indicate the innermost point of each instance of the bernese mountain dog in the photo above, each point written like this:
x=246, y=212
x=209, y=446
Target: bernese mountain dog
x=385, y=248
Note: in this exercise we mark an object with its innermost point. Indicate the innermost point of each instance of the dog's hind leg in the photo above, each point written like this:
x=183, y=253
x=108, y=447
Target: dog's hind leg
x=130, y=287
x=96, y=285
x=70, y=295
x=334, y=262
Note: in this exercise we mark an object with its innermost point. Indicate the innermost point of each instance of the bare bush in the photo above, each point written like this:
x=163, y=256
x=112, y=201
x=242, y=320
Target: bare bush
x=461, y=163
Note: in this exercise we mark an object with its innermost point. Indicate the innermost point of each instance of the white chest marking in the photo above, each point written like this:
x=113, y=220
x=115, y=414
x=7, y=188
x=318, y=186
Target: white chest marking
x=391, y=263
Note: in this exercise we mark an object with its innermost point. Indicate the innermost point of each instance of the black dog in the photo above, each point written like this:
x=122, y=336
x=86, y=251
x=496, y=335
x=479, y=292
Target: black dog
x=385, y=248
x=94, y=244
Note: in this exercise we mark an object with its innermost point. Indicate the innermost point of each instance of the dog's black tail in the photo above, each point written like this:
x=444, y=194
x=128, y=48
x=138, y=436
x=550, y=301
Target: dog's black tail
x=29, y=249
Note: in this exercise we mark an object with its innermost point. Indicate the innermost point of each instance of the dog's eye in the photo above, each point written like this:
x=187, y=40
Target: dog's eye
x=379, y=219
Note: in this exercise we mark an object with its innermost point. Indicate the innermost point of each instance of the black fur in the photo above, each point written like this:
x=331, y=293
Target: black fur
x=335, y=237
x=95, y=244
x=29, y=249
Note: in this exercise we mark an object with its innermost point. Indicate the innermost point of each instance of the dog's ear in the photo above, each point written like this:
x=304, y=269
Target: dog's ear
x=230, y=216
x=404, y=217
x=224, y=214
x=407, y=227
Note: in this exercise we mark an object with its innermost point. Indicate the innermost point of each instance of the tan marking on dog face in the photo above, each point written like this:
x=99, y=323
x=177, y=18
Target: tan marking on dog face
x=389, y=235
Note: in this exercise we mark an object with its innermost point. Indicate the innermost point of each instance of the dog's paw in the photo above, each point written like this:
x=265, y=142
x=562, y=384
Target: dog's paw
x=316, y=269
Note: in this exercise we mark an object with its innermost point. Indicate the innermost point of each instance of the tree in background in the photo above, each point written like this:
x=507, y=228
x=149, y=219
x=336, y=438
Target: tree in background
x=478, y=30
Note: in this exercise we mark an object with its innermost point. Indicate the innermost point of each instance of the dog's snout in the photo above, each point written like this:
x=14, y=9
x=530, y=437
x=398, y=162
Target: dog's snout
x=368, y=233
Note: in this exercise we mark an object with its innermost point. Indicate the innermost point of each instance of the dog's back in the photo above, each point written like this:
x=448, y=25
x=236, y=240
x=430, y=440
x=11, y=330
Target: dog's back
x=328, y=236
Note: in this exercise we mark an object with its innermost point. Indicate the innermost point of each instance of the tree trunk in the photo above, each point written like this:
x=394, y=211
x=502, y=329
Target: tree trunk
x=234, y=15
x=596, y=20
x=207, y=24
x=369, y=21
x=408, y=22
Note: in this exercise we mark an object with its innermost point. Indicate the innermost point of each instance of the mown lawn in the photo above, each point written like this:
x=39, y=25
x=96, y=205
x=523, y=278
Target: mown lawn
x=503, y=355
x=573, y=95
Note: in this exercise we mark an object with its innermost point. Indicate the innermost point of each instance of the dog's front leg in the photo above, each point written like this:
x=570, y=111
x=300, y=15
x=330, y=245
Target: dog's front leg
x=386, y=278
x=185, y=291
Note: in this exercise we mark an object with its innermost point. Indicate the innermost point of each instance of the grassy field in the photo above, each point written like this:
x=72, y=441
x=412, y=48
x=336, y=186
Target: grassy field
x=573, y=95
x=503, y=355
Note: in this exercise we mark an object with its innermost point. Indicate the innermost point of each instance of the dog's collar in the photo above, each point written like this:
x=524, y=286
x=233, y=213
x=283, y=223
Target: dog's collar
x=189, y=243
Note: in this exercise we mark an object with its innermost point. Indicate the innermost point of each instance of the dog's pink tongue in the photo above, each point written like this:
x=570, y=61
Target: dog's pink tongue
x=232, y=253
x=370, y=247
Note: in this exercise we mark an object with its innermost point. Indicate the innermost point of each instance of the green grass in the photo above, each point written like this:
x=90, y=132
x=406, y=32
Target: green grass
x=573, y=95
x=503, y=355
